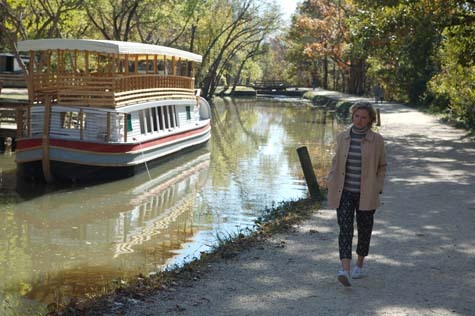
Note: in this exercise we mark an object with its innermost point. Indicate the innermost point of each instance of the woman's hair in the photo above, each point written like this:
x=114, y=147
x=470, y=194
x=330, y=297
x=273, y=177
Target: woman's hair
x=364, y=106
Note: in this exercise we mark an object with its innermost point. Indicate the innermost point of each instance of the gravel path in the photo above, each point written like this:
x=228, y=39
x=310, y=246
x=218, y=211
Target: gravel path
x=423, y=248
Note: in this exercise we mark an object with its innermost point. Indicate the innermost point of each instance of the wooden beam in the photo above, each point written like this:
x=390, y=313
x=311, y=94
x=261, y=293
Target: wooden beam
x=155, y=65
x=28, y=121
x=86, y=62
x=108, y=137
x=146, y=63
x=173, y=66
x=75, y=61
x=45, y=162
x=59, y=61
x=81, y=124
x=126, y=127
x=19, y=121
x=31, y=76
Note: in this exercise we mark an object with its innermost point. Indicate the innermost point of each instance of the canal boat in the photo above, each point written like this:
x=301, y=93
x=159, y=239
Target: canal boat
x=101, y=109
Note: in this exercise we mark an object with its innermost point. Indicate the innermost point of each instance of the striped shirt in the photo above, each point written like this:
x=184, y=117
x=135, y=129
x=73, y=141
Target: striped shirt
x=353, y=162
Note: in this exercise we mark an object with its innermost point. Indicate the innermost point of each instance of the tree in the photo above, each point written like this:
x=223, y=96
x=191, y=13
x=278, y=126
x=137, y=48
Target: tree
x=32, y=19
x=116, y=19
x=320, y=38
x=239, y=26
x=453, y=85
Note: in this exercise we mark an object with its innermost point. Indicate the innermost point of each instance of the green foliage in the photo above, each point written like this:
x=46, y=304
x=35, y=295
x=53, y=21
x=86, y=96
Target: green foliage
x=456, y=81
x=422, y=51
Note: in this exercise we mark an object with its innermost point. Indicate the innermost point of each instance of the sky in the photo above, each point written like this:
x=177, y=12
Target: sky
x=287, y=7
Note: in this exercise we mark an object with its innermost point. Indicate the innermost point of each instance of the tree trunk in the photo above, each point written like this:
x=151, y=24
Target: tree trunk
x=325, y=72
x=356, y=79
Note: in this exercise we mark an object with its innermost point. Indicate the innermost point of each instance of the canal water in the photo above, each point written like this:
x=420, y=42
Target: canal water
x=80, y=241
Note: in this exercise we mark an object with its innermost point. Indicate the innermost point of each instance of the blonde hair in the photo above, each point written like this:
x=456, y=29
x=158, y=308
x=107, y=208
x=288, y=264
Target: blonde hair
x=364, y=106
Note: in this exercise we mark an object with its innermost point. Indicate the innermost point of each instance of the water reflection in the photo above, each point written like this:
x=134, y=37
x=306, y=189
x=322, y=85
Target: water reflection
x=57, y=243
x=75, y=242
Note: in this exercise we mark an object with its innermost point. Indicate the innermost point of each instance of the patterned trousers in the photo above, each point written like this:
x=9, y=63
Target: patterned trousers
x=349, y=203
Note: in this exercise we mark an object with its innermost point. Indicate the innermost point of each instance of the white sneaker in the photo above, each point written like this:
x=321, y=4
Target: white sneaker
x=357, y=273
x=344, y=277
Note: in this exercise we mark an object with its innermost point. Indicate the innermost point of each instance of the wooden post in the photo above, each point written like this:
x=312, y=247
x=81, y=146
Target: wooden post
x=155, y=67
x=378, y=117
x=31, y=78
x=173, y=66
x=75, y=65
x=81, y=124
x=19, y=121
x=310, y=178
x=45, y=162
x=86, y=62
x=125, y=127
x=28, y=120
x=146, y=64
x=108, y=136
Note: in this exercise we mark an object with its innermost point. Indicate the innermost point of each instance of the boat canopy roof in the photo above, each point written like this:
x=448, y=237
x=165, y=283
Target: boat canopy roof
x=105, y=46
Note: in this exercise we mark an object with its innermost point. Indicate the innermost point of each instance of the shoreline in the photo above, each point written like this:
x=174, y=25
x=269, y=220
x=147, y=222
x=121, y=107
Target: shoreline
x=278, y=220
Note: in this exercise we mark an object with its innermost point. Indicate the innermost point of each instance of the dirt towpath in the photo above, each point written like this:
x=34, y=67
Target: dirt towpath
x=421, y=261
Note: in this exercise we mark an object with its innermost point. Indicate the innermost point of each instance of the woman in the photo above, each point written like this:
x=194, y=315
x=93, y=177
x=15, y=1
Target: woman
x=355, y=181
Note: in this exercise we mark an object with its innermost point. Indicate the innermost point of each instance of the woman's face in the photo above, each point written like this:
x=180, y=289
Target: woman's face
x=361, y=118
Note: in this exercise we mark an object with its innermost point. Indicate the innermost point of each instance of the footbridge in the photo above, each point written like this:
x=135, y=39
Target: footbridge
x=270, y=86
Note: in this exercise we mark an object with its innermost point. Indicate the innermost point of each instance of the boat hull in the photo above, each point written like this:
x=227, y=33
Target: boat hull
x=77, y=172
x=80, y=161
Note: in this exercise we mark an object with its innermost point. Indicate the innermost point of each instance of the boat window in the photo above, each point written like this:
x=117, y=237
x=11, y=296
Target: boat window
x=154, y=119
x=145, y=66
x=142, y=122
x=165, y=117
x=188, y=112
x=183, y=68
x=161, y=67
x=148, y=120
x=160, y=118
x=71, y=120
x=171, y=111
x=129, y=123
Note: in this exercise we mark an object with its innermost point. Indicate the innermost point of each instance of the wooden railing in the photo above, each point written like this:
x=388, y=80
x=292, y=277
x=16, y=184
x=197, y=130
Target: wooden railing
x=13, y=80
x=109, y=91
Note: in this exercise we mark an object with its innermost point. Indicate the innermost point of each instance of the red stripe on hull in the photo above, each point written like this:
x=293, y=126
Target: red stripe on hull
x=25, y=144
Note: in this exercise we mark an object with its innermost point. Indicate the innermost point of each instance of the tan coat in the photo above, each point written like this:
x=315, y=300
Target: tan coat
x=373, y=170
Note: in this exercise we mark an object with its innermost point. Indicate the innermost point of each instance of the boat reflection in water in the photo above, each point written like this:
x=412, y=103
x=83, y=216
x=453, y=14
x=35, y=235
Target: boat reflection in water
x=78, y=243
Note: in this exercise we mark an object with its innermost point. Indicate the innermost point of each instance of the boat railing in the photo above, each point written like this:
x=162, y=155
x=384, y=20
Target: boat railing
x=104, y=90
